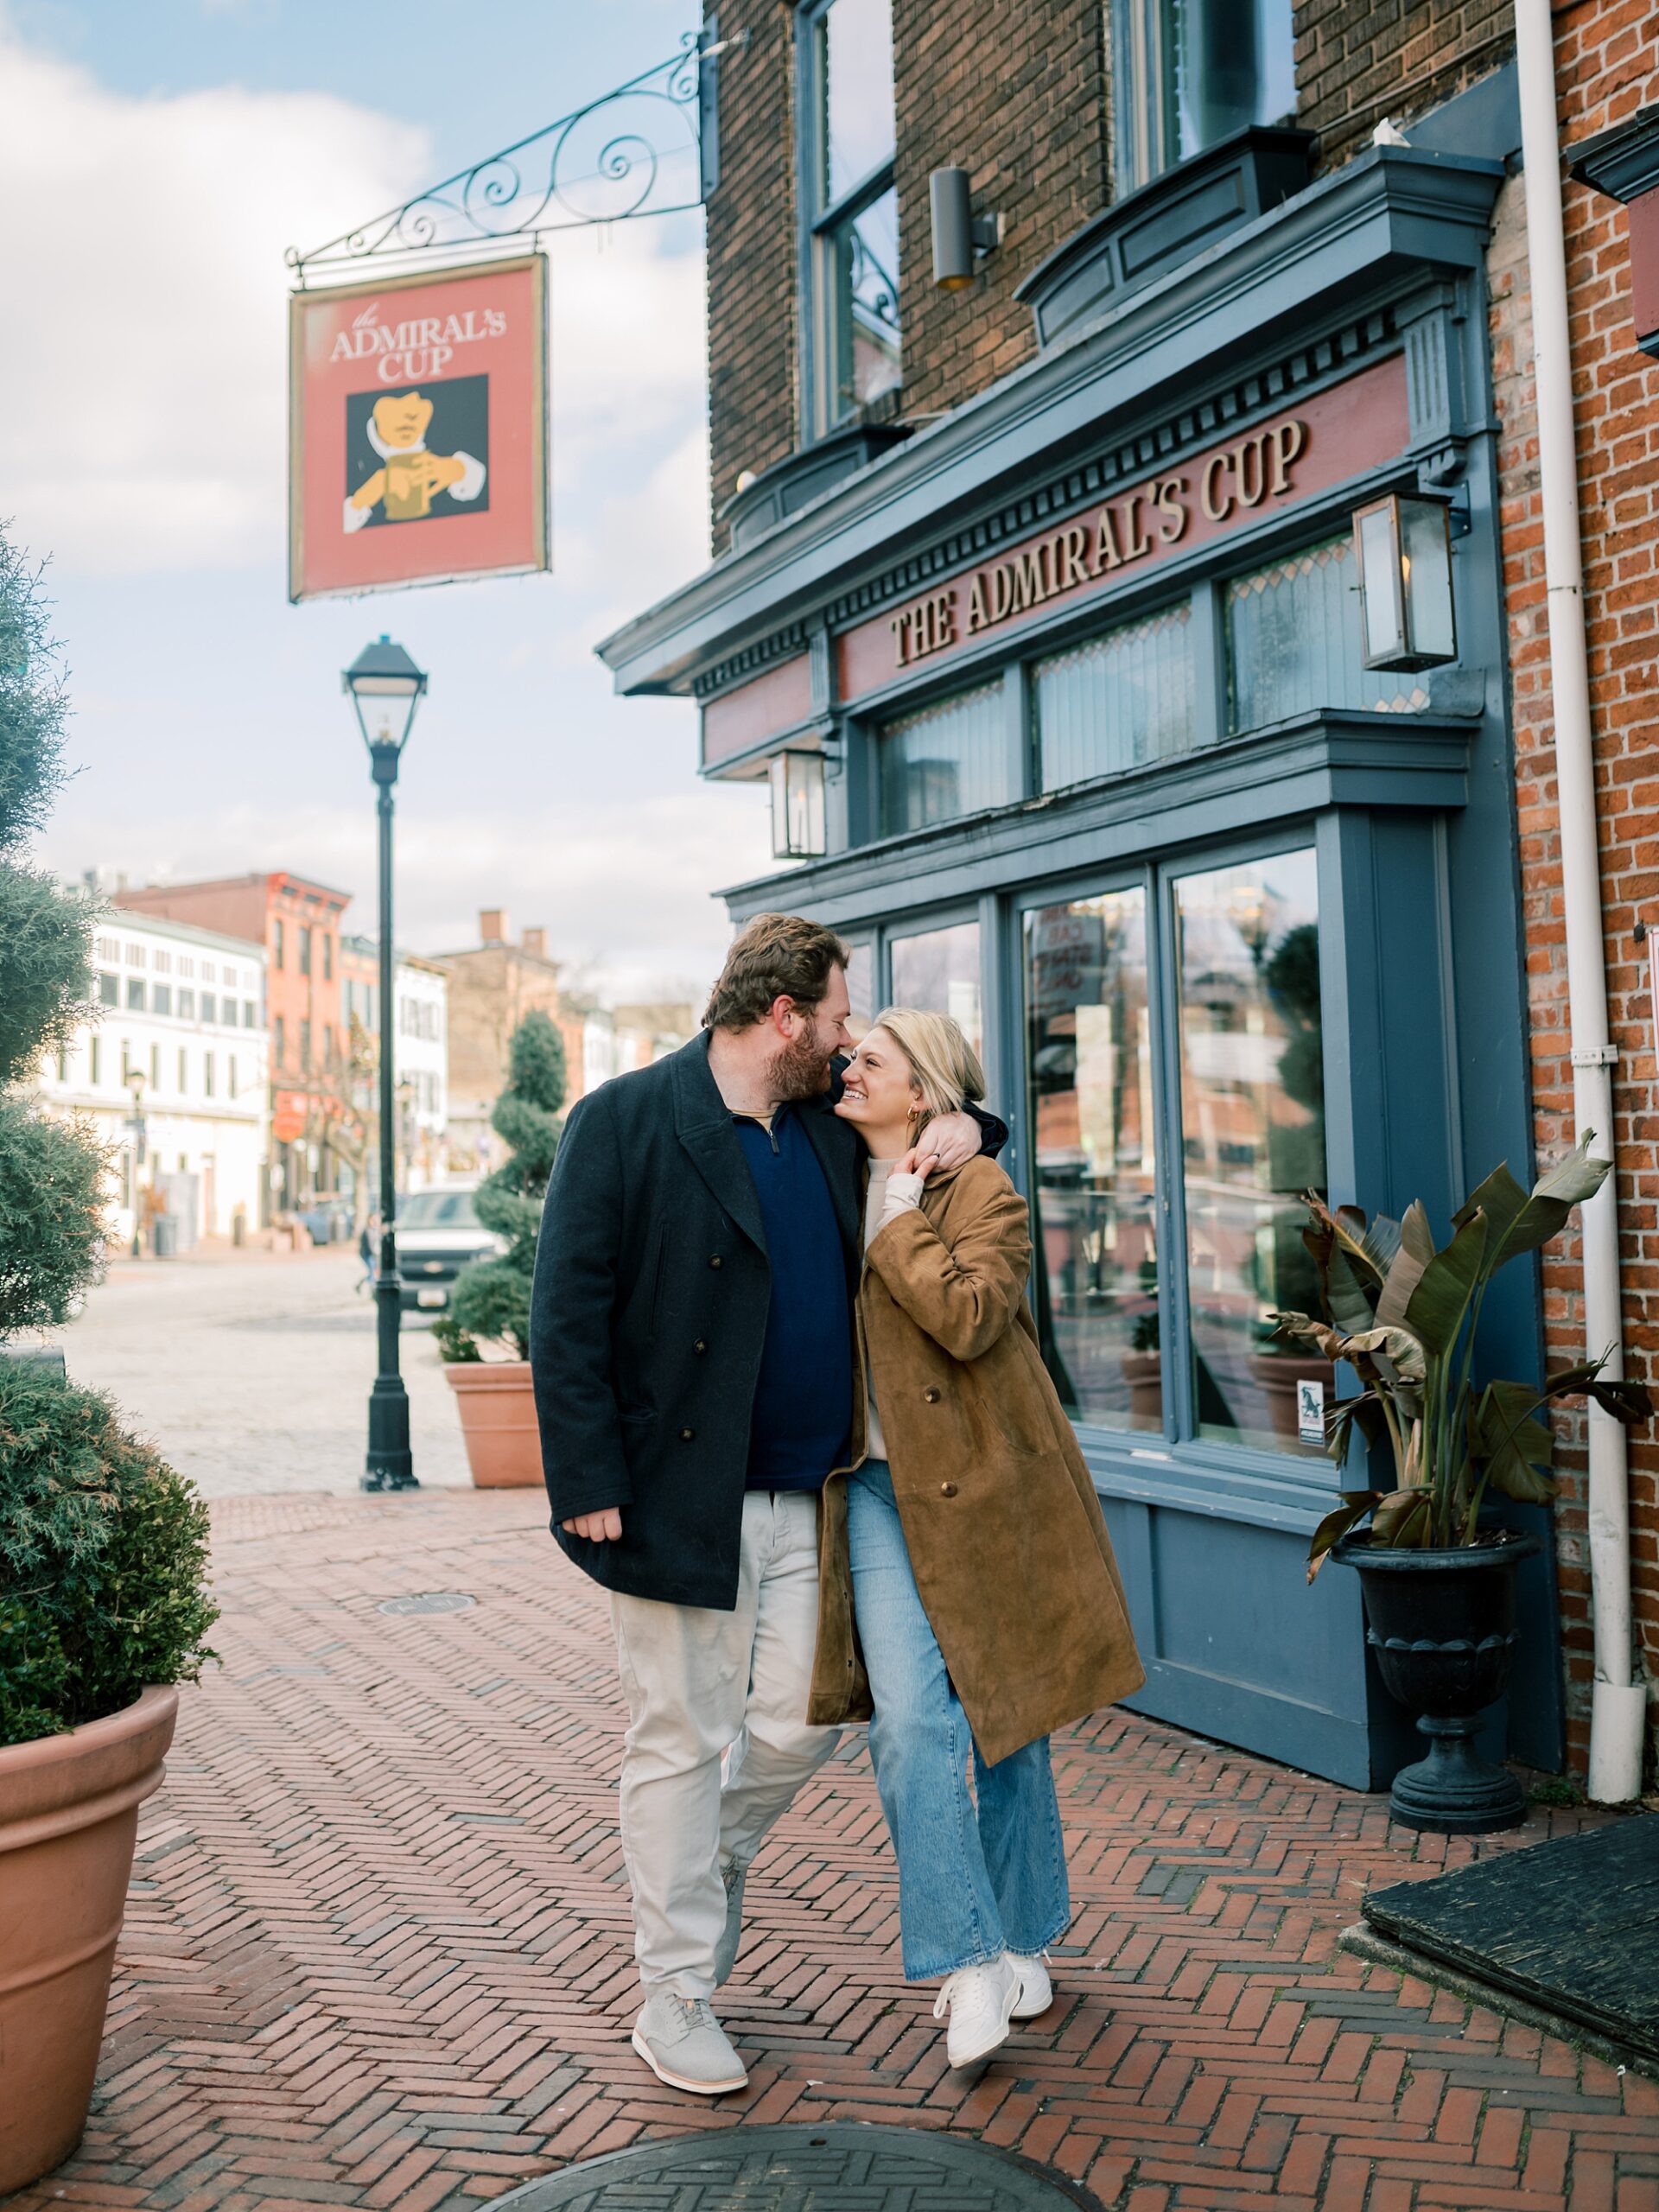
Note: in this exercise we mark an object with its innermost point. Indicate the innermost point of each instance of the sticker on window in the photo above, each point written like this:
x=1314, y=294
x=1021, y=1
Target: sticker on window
x=1310, y=1412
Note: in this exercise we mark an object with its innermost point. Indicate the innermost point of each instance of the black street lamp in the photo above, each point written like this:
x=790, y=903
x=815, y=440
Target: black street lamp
x=386, y=687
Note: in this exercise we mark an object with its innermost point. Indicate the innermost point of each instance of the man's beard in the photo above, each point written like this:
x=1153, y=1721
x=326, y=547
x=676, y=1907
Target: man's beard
x=798, y=1070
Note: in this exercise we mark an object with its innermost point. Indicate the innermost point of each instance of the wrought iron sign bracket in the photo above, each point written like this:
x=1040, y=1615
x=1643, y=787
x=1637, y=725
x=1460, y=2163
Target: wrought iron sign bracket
x=651, y=147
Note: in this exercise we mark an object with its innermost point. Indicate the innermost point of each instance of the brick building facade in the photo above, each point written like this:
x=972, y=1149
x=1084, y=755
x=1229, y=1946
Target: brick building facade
x=913, y=568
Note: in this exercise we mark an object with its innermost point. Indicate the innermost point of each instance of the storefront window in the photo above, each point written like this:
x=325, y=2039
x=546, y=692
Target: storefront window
x=1094, y=1166
x=1252, y=1139
x=1189, y=73
x=1293, y=642
x=947, y=760
x=1116, y=702
x=939, y=970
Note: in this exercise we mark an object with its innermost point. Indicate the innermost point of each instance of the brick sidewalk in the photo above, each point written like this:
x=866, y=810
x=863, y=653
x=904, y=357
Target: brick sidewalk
x=377, y=1949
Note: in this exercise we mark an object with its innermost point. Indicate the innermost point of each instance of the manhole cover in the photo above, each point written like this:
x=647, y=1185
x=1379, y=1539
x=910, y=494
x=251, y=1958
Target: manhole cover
x=841, y=2167
x=429, y=1601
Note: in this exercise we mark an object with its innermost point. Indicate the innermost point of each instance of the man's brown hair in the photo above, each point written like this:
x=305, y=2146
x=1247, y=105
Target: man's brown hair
x=775, y=956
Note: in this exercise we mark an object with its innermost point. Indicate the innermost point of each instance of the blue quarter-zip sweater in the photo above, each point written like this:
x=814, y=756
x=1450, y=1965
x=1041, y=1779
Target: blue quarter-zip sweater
x=803, y=1398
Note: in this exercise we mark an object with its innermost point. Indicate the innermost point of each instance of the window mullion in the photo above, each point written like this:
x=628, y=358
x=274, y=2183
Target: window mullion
x=1174, y=1305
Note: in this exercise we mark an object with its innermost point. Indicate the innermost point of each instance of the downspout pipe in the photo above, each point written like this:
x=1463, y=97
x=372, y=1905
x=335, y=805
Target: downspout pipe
x=1618, y=1707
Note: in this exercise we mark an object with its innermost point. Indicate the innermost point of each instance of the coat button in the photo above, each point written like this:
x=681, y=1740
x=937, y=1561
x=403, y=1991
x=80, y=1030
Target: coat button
x=716, y=1262
x=699, y=1345
x=947, y=1490
x=686, y=1435
x=931, y=1397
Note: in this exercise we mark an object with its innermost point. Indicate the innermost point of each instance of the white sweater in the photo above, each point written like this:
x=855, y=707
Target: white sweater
x=888, y=1196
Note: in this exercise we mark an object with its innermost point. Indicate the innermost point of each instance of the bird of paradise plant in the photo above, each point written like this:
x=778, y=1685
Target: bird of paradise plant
x=1404, y=1314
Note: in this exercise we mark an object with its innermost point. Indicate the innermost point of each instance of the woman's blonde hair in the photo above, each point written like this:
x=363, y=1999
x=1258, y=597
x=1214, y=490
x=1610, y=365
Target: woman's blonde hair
x=943, y=1064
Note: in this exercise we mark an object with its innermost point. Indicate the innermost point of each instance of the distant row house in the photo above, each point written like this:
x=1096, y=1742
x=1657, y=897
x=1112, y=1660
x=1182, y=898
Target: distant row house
x=173, y=1074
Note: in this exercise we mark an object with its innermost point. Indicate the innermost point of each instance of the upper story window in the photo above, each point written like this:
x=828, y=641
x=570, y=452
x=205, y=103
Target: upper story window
x=852, y=210
x=1187, y=72
x=276, y=942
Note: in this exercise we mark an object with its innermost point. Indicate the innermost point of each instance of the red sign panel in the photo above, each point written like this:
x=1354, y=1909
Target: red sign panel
x=1335, y=435
x=764, y=706
x=417, y=429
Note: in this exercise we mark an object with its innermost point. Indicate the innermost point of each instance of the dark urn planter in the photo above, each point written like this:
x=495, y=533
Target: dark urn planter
x=1442, y=1626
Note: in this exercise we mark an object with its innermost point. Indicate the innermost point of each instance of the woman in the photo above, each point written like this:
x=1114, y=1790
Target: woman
x=987, y=1604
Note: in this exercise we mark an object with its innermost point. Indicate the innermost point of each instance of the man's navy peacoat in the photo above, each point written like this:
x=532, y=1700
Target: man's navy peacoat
x=647, y=1318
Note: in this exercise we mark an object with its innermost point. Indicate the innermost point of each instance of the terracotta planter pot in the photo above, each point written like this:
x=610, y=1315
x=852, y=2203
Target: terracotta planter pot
x=498, y=1420
x=68, y=1815
x=1143, y=1372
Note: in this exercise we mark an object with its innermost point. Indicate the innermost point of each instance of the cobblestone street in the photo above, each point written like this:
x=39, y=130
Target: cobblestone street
x=252, y=1371
x=377, y=1952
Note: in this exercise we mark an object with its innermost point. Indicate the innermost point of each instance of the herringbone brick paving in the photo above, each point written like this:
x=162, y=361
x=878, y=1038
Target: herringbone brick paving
x=377, y=1952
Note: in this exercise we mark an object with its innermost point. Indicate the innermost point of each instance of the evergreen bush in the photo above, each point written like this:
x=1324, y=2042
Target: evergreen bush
x=103, y=1560
x=490, y=1299
x=103, y=1547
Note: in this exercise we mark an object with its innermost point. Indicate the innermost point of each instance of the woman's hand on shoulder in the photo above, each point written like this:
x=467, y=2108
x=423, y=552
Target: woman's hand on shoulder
x=916, y=1162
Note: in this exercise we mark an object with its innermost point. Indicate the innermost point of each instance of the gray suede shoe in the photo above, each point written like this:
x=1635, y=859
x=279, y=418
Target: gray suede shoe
x=683, y=2044
x=732, y=1934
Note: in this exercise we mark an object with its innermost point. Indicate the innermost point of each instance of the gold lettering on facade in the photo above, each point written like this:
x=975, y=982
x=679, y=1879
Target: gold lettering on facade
x=1250, y=469
x=1288, y=440
x=1230, y=484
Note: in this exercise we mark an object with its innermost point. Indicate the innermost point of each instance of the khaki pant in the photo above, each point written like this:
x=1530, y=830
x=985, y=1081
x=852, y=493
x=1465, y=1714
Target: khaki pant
x=700, y=1684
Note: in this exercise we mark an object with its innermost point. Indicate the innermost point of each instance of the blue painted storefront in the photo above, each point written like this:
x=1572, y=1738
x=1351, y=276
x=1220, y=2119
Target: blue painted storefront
x=1408, y=818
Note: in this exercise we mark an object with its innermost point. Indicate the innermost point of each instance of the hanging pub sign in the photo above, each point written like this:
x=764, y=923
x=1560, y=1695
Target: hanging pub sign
x=417, y=429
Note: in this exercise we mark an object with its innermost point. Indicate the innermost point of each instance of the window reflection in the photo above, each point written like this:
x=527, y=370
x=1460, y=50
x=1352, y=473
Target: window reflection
x=1252, y=1137
x=1094, y=1165
x=939, y=970
x=861, y=988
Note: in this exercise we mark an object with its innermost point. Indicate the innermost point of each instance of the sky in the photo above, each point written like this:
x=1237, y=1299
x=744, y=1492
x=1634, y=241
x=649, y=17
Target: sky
x=167, y=153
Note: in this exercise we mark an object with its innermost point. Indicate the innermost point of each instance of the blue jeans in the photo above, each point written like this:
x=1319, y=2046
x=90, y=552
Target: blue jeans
x=978, y=1874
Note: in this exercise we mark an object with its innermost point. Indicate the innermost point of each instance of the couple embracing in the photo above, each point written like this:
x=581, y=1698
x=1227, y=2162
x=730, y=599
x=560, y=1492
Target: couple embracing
x=795, y=1421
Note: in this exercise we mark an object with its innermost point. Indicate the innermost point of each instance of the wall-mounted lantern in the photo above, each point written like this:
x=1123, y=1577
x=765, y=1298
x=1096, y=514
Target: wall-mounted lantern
x=797, y=829
x=1402, y=548
x=960, y=236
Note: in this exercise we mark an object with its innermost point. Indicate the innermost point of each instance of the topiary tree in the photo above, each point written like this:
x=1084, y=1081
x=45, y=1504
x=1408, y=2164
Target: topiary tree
x=490, y=1298
x=103, y=1560
x=51, y=1209
x=103, y=1548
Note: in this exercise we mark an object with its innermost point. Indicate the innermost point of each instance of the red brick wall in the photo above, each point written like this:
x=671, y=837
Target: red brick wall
x=1607, y=58
x=753, y=410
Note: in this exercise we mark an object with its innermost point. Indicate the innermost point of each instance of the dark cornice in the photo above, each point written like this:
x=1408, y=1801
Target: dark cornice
x=1622, y=163
x=1370, y=232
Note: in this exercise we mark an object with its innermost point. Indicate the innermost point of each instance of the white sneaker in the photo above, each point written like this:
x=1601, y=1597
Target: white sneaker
x=980, y=2001
x=1036, y=1990
x=683, y=2044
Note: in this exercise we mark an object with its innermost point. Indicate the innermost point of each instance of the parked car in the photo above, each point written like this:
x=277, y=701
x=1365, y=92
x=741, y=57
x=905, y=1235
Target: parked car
x=438, y=1232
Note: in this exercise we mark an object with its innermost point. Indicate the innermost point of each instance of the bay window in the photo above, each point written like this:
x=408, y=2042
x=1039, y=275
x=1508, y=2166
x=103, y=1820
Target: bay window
x=1175, y=1106
x=850, y=244
x=1189, y=73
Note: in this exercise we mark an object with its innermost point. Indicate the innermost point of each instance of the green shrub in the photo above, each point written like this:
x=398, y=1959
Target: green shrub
x=490, y=1298
x=103, y=1560
x=103, y=1547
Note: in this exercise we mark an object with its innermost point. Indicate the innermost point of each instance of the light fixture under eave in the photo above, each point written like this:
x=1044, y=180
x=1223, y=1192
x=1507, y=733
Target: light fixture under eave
x=1402, y=549
x=798, y=823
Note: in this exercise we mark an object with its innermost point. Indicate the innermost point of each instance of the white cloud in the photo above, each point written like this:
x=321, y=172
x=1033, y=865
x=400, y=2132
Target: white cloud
x=146, y=303
x=623, y=885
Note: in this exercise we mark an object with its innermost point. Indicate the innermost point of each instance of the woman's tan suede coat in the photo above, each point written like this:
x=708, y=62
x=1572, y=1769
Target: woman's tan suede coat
x=1005, y=1533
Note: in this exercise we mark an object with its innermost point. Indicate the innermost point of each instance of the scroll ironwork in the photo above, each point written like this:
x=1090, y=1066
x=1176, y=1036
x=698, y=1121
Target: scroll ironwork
x=645, y=148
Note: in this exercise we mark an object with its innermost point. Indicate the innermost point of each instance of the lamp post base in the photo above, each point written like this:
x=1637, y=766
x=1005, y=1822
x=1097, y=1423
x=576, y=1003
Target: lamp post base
x=390, y=1463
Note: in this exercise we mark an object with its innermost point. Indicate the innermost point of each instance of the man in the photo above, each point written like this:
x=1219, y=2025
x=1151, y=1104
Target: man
x=692, y=1347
